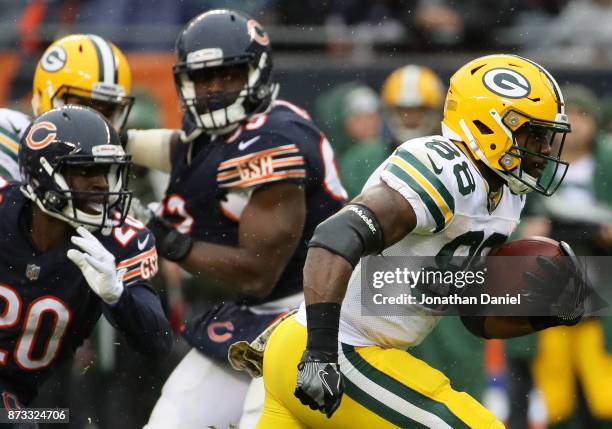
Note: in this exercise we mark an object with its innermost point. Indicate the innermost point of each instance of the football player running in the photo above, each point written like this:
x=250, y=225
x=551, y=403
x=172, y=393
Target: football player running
x=82, y=69
x=68, y=253
x=459, y=193
x=249, y=181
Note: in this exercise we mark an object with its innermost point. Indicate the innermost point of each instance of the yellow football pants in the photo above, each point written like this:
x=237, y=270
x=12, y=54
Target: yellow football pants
x=568, y=354
x=384, y=388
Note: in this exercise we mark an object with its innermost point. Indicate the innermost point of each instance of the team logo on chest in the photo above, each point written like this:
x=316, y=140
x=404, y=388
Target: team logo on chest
x=507, y=83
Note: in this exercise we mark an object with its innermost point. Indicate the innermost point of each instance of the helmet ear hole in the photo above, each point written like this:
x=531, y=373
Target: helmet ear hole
x=484, y=129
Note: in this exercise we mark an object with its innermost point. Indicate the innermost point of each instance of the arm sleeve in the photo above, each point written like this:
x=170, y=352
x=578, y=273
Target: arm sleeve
x=141, y=263
x=411, y=172
x=139, y=315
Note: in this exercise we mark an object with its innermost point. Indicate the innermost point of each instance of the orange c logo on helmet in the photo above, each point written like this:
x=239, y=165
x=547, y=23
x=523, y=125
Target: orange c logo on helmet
x=257, y=32
x=42, y=139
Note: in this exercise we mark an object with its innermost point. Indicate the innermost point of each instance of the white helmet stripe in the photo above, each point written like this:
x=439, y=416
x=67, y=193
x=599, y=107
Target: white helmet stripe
x=410, y=80
x=106, y=58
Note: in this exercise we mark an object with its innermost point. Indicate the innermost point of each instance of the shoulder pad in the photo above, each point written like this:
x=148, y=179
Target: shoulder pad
x=293, y=108
x=12, y=126
x=13, y=123
x=422, y=171
x=256, y=159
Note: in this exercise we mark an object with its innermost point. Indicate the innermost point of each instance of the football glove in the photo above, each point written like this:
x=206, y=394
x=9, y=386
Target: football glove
x=319, y=383
x=170, y=243
x=97, y=265
x=564, y=287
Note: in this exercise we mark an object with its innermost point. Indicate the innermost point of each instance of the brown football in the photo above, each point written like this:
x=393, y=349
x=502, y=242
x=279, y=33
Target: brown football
x=504, y=280
x=506, y=265
x=530, y=246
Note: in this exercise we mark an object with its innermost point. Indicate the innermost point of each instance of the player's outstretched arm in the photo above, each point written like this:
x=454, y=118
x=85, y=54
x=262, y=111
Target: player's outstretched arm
x=134, y=309
x=373, y=221
x=140, y=316
x=152, y=148
x=270, y=229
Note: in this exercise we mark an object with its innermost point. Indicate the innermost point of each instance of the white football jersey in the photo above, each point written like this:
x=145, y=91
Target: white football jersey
x=12, y=126
x=450, y=199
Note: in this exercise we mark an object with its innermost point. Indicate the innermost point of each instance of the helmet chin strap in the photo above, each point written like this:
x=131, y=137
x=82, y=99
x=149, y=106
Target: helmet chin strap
x=517, y=186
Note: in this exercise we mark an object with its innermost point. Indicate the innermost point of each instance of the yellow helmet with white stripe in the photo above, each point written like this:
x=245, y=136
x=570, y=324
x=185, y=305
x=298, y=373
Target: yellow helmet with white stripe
x=84, y=69
x=498, y=106
x=412, y=97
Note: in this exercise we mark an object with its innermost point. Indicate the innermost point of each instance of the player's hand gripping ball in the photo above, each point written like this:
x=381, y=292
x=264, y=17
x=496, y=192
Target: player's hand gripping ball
x=545, y=274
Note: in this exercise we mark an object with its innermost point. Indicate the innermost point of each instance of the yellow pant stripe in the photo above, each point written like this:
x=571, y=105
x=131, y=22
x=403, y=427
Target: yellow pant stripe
x=385, y=389
x=409, y=403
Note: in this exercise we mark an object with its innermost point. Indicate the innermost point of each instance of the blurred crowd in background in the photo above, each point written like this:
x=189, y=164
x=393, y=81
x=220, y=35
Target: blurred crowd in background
x=365, y=117
x=337, y=26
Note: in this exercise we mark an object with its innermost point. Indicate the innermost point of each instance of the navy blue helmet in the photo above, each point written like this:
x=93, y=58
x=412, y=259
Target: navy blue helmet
x=222, y=38
x=75, y=137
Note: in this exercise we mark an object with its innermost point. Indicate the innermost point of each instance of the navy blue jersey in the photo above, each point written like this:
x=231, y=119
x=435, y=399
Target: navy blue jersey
x=212, y=179
x=48, y=309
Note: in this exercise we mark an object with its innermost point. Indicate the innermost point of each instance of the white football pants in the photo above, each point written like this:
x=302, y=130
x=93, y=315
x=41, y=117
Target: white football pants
x=202, y=393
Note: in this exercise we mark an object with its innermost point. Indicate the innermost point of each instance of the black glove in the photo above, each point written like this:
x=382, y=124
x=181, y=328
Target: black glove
x=564, y=289
x=170, y=243
x=319, y=381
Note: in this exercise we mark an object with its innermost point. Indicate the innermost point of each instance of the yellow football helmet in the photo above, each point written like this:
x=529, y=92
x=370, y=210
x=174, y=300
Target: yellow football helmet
x=84, y=69
x=492, y=101
x=412, y=97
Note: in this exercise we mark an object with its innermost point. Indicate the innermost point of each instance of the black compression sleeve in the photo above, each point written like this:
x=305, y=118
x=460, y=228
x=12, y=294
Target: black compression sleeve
x=353, y=232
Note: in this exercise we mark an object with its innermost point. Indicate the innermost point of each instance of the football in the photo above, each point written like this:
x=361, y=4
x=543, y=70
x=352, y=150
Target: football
x=530, y=246
x=504, y=289
x=505, y=266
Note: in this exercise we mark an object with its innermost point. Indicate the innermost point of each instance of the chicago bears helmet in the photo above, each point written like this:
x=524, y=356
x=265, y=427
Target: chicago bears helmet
x=494, y=99
x=84, y=69
x=68, y=137
x=222, y=38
